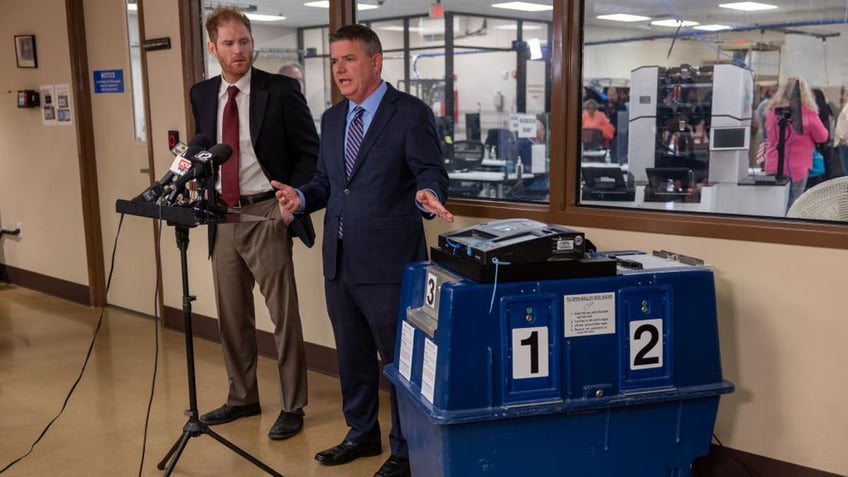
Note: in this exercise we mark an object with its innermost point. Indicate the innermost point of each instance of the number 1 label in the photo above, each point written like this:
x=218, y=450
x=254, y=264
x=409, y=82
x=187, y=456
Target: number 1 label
x=530, y=352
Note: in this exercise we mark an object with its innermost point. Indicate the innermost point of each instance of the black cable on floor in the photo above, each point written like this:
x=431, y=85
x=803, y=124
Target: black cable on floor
x=87, y=355
x=155, y=345
x=734, y=457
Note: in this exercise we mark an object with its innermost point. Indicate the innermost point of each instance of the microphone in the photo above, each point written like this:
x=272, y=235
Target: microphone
x=205, y=163
x=178, y=168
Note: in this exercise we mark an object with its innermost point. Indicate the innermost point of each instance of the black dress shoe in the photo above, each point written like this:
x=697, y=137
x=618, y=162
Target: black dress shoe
x=227, y=413
x=287, y=425
x=394, y=467
x=348, y=451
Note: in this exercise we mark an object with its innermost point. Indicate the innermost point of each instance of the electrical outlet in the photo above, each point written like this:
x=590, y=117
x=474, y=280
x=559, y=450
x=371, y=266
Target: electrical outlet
x=19, y=227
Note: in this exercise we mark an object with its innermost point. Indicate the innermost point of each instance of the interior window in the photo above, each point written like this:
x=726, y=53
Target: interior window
x=135, y=71
x=727, y=108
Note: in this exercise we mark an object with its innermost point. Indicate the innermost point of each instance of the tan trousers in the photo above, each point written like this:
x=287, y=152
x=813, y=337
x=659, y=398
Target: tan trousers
x=258, y=252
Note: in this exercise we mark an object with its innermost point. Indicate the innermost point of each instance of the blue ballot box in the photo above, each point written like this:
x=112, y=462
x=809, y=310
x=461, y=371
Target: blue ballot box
x=615, y=375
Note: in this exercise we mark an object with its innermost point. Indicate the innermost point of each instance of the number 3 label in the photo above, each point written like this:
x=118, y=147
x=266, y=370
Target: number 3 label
x=530, y=352
x=430, y=289
x=646, y=344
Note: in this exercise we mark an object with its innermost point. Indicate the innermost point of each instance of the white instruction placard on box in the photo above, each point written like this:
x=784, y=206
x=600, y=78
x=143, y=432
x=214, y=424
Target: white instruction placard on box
x=589, y=314
x=407, y=342
x=428, y=373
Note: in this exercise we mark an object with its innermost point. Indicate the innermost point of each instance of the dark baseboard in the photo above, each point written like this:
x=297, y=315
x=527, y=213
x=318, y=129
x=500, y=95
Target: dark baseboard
x=45, y=284
x=321, y=359
x=725, y=462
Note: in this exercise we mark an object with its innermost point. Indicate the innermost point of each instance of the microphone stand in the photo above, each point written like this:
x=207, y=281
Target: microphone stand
x=194, y=427
x=782, y=120
x=205, y=210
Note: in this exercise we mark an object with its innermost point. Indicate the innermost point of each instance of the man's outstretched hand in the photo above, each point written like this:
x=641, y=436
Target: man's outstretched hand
x=287, y=199
x=432, y=204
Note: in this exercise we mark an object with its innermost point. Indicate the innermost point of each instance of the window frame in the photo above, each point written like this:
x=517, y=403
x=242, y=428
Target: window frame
x=563, y=206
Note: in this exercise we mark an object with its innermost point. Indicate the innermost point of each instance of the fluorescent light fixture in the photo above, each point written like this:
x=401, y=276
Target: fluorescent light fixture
x=713, y=27
x=412, y=29
x=326, y=4
x=748, y=6
x=623, y=17
x=535, y=48
x=524, y=6
x=133, y=7
x=514, y=27
x=264, y=18
x=671, y=22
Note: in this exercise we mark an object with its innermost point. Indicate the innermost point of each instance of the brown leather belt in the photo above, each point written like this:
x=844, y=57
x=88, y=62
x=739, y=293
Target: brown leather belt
x=254, y=198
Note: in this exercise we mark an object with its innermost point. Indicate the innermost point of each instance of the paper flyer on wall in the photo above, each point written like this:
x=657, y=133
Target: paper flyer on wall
x=48, y=104
x=64, y=112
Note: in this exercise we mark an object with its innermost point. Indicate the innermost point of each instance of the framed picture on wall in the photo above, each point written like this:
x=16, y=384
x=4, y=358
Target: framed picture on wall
x=25, y=51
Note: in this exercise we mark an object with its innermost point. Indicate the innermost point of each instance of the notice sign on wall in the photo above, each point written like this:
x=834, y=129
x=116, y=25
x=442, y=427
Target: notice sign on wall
x=108, y=81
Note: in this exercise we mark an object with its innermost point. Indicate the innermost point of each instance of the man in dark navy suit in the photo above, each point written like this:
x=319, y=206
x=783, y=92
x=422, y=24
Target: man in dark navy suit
x=266, y=121
x=380, y=171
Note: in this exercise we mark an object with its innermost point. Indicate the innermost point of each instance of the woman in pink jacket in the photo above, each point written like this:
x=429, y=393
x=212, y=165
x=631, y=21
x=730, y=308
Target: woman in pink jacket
x=798, y=150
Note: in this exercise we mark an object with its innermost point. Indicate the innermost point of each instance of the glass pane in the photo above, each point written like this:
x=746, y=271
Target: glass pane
x=286, y=33
x=135, y=71
x=674, y=115
x=492, y=94
x=492, y=110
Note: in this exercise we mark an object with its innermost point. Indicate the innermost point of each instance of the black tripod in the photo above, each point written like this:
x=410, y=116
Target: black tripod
x=783, y=118
x=194, y=428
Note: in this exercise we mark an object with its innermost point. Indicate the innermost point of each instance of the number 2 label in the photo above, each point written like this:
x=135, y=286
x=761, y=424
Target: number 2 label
x=646, y=344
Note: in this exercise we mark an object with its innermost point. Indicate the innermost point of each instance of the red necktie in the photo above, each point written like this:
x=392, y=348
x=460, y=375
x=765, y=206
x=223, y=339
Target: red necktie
x=230, y=137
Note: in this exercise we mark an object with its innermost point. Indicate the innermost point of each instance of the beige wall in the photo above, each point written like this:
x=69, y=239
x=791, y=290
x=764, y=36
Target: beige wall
x=781, y=316
x=120, y=159
x=39, y=165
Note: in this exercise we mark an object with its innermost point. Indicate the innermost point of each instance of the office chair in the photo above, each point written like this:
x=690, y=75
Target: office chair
x=593, y=145
x=467, y=155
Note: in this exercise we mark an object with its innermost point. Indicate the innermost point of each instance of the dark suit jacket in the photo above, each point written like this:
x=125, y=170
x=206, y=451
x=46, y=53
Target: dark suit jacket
x=281, y=127
x=382, y=224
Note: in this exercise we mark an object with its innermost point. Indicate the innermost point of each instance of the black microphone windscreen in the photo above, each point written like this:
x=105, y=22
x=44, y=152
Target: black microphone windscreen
x=201, y=140
x=220, y=153
x=193, y=149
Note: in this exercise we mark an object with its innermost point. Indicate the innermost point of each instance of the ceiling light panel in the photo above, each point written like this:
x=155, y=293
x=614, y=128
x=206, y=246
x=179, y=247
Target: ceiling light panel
x=672, y=23
x=623, y=17
x=748, y=6
x=326, y=4
x=524, y=6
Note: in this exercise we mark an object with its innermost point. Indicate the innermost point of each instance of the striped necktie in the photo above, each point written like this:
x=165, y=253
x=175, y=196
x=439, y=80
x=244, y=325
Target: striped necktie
x=354, y=139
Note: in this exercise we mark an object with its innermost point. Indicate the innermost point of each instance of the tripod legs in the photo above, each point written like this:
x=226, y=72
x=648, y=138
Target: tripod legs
x=195, y=428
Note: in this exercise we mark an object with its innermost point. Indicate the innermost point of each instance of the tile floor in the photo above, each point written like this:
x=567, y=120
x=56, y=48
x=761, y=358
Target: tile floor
x=43, y=342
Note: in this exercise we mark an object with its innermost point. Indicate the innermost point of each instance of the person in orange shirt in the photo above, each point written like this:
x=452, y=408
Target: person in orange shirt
x=592, y=118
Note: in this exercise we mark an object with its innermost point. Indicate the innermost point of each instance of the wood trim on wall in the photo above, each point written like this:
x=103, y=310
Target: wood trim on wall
x=342, y=12
x=84, y=126
x=727, y=462
x=45, y=284
x=320, y=359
